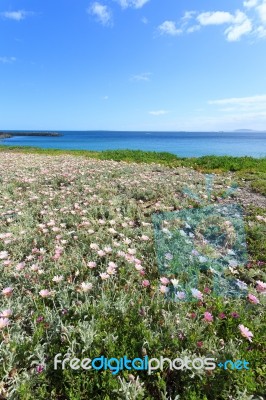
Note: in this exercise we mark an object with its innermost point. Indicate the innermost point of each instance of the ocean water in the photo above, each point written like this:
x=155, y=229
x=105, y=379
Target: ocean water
x=183, y=144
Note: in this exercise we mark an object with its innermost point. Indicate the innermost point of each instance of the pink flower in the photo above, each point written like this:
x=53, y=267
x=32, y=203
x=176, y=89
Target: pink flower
x=101, y=253
x=197, y=294
x=245, y=332
x=208, y=317
x=6, y=313
x=164, y=289
x=180, y=295
x=4, y=322
x=45, y=293
x=111, y=264
x=91, y=264
x=7, y=291
x=253, y=299
x=164, y=280
x=145, y=238
x=104, y=276
x=261, y=287
x=145, y=283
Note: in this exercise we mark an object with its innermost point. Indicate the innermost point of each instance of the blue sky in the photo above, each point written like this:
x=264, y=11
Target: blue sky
x=133, y=64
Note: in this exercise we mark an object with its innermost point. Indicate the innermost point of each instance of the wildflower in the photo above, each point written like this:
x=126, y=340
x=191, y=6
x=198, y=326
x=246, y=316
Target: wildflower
x=207, y=290
x=222, y=315
x=145, y=238
x=40, y=319
x=261, y=287
x=164, y=289
x=94, y=246
x=45, y=293
x=101, y=253
x=197, y=294
x=86, y=287
x=111, y=264
x=199, y=344
x=3, y=255
x=4, y=322
x=58, y=278
x=180, y=295
x=208, y=317
x=145, y=283
x=131, y=251
x=175, y=282
x=193, y=315
x=235, y=315
x=7, y=291
x=245, y=332
x=91, y=264
x=111, y=270
x=241, y=285
x=104, y=276
x=6, y=313
x=20, y=266
x=108, y=249
x=164, y=280
x=253, y=299
x=39, y=369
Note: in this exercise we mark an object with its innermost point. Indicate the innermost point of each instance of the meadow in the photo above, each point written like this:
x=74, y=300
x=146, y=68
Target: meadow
x=79, y=275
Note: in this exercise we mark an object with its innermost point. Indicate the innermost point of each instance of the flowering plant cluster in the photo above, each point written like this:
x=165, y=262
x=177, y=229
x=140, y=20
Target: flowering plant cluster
x=79, y=275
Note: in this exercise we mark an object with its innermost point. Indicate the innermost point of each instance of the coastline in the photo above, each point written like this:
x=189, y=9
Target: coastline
x=8, y=135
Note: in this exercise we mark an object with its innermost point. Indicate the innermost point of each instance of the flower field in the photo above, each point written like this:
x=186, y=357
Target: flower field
x=79, y=275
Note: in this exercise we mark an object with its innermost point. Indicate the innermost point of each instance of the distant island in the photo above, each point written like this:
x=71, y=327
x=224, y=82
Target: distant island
x=7, y=135
x=247, y=130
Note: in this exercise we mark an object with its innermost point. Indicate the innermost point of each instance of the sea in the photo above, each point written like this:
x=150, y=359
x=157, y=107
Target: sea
x=183, y=144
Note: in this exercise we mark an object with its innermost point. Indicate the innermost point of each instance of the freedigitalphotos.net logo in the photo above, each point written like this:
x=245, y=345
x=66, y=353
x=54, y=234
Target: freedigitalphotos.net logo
x=210, y=237
x=115, y=365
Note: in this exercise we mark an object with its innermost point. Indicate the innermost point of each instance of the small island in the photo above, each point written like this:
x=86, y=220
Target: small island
x=8, y=135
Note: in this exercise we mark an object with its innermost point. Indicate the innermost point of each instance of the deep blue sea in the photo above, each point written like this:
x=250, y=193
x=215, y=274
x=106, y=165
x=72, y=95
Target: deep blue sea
x=184, y=144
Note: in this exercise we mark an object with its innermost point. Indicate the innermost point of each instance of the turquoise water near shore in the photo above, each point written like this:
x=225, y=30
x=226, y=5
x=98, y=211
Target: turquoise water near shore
x=183, y=144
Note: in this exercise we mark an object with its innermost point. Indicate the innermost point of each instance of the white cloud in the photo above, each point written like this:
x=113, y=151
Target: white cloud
x=101, y=12
x=7, y=60
x=235, y=32
x=15, y=15
x=215, y=18
x=169, y=28
x=261, y=9
x=145, y=76
x=250, y=3
x=251, y=23
x=132, y=3
x=193, y=28
x=240, y=101
x=159, y=112
x=261, y=32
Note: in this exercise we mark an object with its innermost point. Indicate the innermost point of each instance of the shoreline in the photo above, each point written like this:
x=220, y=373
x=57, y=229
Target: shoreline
x=8, y=135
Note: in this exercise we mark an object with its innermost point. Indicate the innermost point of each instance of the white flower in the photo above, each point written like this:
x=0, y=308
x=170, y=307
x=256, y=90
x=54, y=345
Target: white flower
x=86, y=286
x=175, y=282
x=3, y=255
x=58, y=278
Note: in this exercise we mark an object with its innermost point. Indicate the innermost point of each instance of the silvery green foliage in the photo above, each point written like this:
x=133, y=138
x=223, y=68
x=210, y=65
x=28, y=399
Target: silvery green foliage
x=132, y=390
